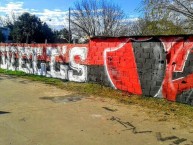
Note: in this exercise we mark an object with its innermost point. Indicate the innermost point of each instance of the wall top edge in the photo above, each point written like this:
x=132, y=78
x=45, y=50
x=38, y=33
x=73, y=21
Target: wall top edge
x=43, y=44
x=142, y=36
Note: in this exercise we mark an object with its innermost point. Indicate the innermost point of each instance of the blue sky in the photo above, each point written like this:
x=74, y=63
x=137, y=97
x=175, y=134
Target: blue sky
x=54, y=12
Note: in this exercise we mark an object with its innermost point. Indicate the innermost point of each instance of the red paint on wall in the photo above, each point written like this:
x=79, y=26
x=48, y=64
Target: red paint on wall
x=177, y=52
x=117, y=56
x=97, y=47
x=62, y=58
x=122, y=69
x=120, y=64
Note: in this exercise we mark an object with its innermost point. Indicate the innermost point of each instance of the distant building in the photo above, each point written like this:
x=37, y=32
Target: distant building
x=80, y=40
x=84, y=39
x=6, y=32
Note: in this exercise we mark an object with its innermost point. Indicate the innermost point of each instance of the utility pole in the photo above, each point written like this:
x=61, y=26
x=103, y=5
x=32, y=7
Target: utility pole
x=69, y=31
x=27, y=39
x=46, y=41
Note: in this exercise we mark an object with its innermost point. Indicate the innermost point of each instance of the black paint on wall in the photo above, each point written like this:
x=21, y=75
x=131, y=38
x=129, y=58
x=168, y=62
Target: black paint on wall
x=185, y=97
x=188, y=68
x=98, y=74
x=151, y=64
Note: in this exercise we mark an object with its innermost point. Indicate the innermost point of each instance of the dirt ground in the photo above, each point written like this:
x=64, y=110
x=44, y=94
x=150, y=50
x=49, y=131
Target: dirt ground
x=33, y=113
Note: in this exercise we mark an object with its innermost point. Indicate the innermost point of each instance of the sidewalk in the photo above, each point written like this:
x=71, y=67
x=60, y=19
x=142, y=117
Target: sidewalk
x=33, y=113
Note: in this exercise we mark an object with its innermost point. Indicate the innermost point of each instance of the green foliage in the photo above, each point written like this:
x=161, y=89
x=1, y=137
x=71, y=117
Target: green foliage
x=158, y=19
x=154, y=9
x=48, y=34
x=2, y=39
x=161, y=27
x=29, y=28
x=62, y=34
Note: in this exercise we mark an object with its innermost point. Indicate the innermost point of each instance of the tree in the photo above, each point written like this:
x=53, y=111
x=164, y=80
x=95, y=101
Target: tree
x=2, y=39
x=29, y=28
x=145, y=26
x=8, y=20
x=183, y=7
x=62, y=36
x=48, y=34
x=180, y=12
x=183, y=10
x=1, y=21
x=98, y=18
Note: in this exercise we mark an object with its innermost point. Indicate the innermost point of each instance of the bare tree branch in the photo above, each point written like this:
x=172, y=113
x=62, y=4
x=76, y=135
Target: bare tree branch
x=99, y=17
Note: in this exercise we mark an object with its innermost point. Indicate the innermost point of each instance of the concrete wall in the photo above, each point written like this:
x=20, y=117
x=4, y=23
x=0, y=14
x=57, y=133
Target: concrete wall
x=57, y=61
x=152, y=66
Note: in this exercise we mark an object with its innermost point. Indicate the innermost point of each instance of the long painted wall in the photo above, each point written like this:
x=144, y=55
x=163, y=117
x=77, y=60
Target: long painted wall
x=151, y=66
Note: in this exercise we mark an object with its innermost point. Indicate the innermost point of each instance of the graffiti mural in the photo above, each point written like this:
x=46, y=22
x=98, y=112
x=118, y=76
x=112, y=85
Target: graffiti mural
x=178, y=81
x=57, y=61
x=151, y=66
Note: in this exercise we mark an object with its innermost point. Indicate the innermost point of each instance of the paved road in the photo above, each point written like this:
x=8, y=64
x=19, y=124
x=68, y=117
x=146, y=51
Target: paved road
x=32, y=113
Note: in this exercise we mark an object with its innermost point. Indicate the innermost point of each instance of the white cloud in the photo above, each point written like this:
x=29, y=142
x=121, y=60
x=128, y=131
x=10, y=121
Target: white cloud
x=133, y=19
x=12, y=7
x=56, y=18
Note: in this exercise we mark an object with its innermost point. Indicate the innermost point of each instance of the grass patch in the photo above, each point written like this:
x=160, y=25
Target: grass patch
x=180, y=111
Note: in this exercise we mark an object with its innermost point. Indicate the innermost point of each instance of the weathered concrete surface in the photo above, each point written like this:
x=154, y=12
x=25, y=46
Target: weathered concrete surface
x=38, y=116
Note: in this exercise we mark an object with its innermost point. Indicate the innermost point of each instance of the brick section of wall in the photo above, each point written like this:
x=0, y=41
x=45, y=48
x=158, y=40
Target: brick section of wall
x=97, y=73
x=150, y=66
